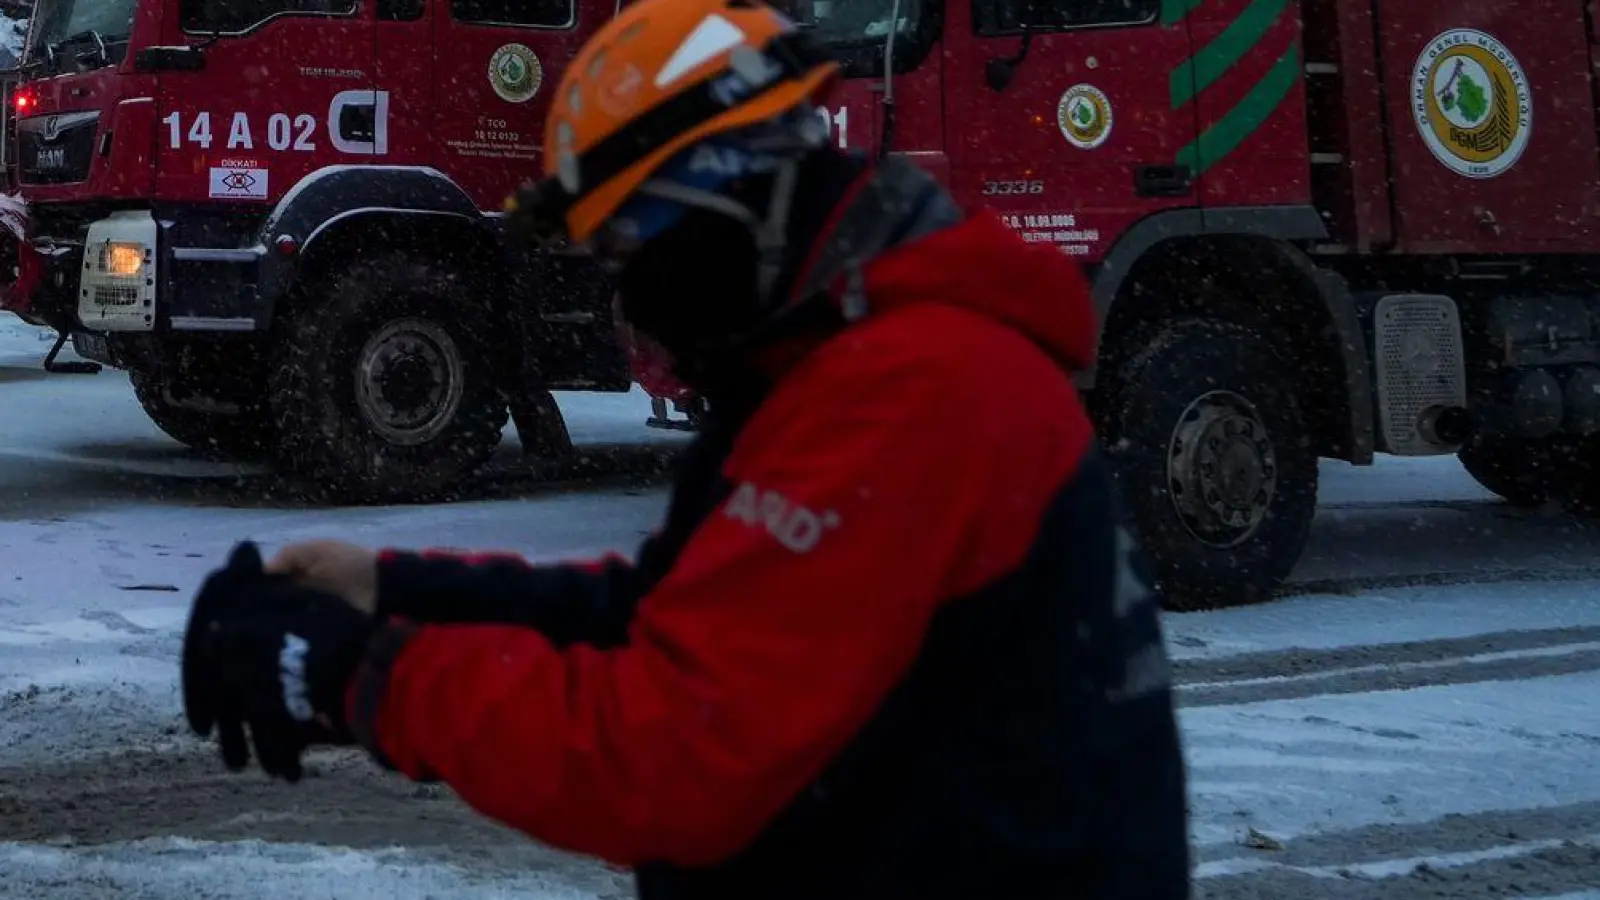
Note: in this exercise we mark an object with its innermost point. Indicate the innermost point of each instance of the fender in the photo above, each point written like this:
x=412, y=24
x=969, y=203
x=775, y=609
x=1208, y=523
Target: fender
x=337, y=193
x=1281, y=224
x=1284, y=223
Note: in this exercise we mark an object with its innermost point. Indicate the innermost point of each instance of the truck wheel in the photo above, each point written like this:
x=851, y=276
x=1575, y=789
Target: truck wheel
x=1522, y=472
x=383, y=387
x=246, y=435
x=1214, y=462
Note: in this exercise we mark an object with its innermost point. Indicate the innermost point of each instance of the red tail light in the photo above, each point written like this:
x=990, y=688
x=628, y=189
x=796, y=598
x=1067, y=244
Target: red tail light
x=24, y=102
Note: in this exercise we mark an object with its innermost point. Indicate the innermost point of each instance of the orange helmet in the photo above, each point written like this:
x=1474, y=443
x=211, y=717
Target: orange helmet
x=660, y=78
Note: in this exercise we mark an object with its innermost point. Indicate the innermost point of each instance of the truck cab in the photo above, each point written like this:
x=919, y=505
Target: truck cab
x=282, y=218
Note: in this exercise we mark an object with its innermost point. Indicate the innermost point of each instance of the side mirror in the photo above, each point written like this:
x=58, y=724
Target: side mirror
x=999, y=71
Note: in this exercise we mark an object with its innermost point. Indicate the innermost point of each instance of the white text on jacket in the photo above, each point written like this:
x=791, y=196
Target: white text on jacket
x=795, y=527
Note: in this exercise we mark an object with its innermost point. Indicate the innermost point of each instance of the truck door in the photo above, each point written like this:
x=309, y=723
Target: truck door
x=494, y=67
x=496, y=63
x=286, y=89
x=1083, y=138
x=404, y=71
x=856, y=32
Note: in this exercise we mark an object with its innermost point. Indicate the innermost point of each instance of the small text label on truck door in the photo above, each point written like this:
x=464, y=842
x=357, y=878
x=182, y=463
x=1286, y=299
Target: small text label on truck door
x=357, y=123
x=1061, y=229
x=238, y=179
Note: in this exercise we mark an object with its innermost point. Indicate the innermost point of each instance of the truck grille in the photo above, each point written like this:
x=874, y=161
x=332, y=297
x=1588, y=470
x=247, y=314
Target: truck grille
x=115, y=295
x=56, y=149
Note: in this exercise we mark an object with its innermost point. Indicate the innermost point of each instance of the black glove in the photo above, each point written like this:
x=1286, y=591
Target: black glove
x=265, y=653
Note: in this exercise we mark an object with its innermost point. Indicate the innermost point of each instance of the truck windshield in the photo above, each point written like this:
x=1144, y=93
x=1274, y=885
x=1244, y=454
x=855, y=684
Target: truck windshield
x=839, y=24
x=65, y=24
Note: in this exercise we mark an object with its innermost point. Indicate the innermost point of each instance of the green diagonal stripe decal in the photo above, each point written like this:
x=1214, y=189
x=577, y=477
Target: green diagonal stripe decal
x=1174, y=11
x=1222, y=138
x=1225, y=50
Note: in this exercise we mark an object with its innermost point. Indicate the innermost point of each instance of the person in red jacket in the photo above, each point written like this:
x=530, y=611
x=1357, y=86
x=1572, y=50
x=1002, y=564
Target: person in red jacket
x=890, y=640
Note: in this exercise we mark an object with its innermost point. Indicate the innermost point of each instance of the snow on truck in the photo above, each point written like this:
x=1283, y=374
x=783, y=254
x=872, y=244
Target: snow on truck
x=1316, y=229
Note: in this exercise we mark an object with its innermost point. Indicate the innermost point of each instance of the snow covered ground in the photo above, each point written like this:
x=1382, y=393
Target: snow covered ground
x=1418, y=721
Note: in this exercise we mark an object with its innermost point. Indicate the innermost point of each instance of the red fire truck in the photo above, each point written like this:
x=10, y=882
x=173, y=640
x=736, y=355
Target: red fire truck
x=1315, y=229
x=281, y=219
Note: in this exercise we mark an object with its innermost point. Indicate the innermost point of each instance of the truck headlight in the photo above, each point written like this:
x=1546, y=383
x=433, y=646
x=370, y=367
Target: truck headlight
x=121, y=259
x=117, y=281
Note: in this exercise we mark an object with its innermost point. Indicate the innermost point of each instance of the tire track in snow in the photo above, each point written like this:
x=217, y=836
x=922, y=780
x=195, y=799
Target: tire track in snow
x=1540, y=853
x=1362, y=583
x=1298, y=673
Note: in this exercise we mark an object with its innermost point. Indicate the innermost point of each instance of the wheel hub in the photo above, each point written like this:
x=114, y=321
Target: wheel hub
x=409, y=381
x=1221, y=469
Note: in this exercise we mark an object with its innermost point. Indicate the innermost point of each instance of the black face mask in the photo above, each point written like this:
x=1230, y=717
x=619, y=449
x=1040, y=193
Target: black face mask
x=693, y=289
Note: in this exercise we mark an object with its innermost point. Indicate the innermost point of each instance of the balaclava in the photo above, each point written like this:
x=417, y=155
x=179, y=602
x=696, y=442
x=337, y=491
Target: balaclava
x=693, y=284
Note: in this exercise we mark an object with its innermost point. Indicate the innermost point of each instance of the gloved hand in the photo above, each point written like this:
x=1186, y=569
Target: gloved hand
x=264, y=653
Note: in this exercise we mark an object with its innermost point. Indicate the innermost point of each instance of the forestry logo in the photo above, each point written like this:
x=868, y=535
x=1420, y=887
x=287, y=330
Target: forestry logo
x=1472, y=103
x=1084, y=116
x=515, y=73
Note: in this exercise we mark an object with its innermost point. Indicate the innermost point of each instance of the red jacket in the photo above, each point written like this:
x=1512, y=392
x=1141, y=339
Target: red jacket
x=905, y=463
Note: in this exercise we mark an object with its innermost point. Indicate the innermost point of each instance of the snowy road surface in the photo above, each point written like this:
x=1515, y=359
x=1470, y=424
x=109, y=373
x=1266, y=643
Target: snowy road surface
x=1419, y=721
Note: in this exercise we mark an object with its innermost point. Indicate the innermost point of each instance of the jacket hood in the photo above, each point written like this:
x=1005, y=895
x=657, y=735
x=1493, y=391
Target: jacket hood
x=983, y=266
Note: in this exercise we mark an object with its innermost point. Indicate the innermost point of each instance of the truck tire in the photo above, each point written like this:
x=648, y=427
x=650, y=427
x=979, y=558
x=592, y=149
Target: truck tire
x=1522, y=472
x=1214, y=462
x=383, y=386
x=246, y=436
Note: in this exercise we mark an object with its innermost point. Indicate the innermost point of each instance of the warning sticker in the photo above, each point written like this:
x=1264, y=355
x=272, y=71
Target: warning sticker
x=242, y=179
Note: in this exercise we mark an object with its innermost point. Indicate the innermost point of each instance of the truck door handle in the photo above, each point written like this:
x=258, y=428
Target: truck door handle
x=358, y=122
x=1163, y=181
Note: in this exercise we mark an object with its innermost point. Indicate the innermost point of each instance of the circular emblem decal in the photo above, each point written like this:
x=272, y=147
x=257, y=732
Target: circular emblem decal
x=515, y=73
x=1472, y=103
x=1084, y=115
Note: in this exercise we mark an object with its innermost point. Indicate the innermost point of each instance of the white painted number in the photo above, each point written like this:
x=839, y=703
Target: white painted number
x=286, y=131
x=200, y=131
x=278, y=132
x=999, y=188
x=306, y=125
x=838, y=121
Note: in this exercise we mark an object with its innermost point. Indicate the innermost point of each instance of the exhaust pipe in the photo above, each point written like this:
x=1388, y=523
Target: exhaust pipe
x=1445, y=425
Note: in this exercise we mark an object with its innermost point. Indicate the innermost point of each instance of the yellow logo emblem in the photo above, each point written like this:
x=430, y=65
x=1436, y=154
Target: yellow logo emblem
x=1472, y=103
x=515, y=73
x=1084, y=116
